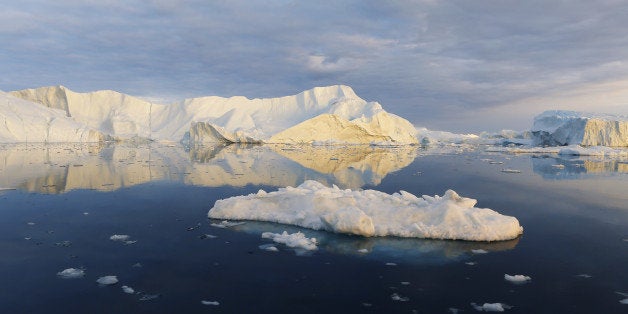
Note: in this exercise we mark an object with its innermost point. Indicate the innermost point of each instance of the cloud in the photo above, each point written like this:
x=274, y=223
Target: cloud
x=434, y=62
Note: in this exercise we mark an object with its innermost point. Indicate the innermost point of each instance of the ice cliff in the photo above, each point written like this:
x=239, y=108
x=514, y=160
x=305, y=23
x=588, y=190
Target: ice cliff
x=560, y=128
x=333, y=114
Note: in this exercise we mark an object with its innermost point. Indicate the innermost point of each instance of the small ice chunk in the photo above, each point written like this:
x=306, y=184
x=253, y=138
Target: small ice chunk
x=149, y=297
x=490, y=307
x=129, y=242
x=70, y=273
x=471, y=263
x=363, y=251
x=294, y=240
x=128, y=289
x=30, y=223
x=107, y=280
x=397, y=297
x=479, y=251
x=269, y=247
x=405, y=283
x=584, y=276
x=210, y=302
x=207, y=236
x=624, y=301
x=517, y=279
x=119, y=237
x=137, y=265
x=391, y=264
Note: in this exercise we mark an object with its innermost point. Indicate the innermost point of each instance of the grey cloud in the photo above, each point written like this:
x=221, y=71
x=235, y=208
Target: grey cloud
x=420, y=59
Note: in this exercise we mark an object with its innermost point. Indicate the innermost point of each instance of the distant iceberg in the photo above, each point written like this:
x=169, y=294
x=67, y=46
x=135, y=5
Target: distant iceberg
x=561, y=128
x=328, y=115
x=371, y=213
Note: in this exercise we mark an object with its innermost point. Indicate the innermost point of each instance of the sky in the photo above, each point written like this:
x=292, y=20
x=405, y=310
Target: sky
x=460, y=66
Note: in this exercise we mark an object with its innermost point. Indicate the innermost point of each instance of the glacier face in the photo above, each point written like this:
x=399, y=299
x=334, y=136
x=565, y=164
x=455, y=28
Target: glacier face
x=333, y=114
x=23, y=121
x=560, y=128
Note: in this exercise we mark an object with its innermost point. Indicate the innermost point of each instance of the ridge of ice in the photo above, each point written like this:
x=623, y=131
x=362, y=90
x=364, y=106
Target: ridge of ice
x=371, y=213
x=102, y=115
x=560, y=128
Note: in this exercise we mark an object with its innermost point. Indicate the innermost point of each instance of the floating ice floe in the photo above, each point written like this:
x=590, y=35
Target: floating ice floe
x=479, y=251
x=119, y=237
x=128, y=289
x=371, y=213
x=490, y=307
x=397, y=297
x=107, y=280
x=71, y=273
x=269, y=247
x=293, y=240
x=517, y=279
x=210, y=302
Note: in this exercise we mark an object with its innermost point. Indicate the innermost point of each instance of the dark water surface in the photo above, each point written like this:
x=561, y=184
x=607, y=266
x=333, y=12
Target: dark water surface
x=61, y=203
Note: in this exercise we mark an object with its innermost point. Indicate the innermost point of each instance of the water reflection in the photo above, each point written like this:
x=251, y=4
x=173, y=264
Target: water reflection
x=574, y=167
x=58, y=168
x=385, y=249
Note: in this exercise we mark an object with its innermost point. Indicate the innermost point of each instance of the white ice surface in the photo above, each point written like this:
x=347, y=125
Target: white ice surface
x=293, y=240
x=71, y=273
x=119, y=237
x=517, y=279
x=336, y=113
x=371, y=213
x=128, y=289
x=558, y=128
x=489, y=307
x=107, y=280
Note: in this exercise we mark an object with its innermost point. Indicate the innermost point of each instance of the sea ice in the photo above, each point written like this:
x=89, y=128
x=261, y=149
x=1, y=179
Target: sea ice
x=119, y=237
x=128, y=289
x=107, y=280
x=293, y=240
x=210, y=302
x=371, y=213
x=517, y=279
x=397, y=297
x=490, y=307
x=226, y=224
x=70, y=273
x=479, y=251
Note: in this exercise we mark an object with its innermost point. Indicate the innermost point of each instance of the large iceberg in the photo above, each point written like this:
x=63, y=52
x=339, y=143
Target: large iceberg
x=560, y=128
x=23, y=121
x=371, y=213
x=333, y=114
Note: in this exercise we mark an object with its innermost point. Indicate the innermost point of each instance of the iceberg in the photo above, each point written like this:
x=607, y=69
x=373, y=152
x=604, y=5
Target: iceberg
x=332, y=115
x=561, y=128
x=371, y=213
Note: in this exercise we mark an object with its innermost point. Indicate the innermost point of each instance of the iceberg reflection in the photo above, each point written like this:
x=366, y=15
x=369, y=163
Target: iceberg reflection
x=386, y=249
x=577, y=167
x=58, y=168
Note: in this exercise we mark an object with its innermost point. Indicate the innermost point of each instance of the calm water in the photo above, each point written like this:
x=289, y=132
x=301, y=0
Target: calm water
x=61, y=203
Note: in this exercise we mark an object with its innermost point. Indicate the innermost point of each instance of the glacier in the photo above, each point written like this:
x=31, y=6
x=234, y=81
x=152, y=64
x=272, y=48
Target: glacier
x=327, y=115
x=562, y=128
x=371, y=213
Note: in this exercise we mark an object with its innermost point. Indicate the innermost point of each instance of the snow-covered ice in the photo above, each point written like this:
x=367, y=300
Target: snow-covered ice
x=204, y=302
x=293, y=240
x=559, y=128
x=336, y=113
x=517, y=279
x=119, y=237
x=70, y=273
x=107, y=280
x=490, y=307
x=128, y=289
x=371, y=213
